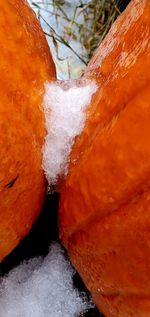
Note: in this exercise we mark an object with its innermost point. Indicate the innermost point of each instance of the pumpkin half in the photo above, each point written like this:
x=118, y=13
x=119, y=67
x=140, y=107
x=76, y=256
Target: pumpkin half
x=25, y=65
x=104, y=214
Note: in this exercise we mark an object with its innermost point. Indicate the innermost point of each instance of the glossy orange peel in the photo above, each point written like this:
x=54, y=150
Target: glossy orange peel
x=25, y=65
x=104, y=214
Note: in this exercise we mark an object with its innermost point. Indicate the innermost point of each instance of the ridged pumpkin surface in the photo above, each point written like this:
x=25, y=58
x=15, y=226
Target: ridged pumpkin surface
x=104, y=214
x=25, y=65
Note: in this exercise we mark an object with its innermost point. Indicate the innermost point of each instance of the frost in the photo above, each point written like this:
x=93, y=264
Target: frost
x=64, y=110
x=41, y=288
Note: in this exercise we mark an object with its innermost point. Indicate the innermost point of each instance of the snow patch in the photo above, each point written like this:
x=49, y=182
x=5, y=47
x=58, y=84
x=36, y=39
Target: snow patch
x=64, y=109
x=42, y=288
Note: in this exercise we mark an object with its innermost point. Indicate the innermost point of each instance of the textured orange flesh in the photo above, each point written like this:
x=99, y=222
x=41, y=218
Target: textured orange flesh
x=25, y=65
x=104, y=213
x=127, y=306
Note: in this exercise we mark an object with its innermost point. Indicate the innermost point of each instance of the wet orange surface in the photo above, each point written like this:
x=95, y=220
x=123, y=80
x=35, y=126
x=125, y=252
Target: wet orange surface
x=25, y=65
x=104, y=211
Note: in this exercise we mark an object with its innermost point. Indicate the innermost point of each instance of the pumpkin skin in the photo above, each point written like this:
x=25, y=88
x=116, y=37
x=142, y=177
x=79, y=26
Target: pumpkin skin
x=25, y=65
x=104, y=214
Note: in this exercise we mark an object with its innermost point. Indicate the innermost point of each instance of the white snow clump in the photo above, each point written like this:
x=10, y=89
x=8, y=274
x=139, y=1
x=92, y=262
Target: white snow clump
x=65, y=116
x=41, y=288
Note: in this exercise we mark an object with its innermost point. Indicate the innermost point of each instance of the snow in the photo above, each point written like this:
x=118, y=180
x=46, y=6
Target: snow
x=42, y=287
x=65, y=116
x=64, y=108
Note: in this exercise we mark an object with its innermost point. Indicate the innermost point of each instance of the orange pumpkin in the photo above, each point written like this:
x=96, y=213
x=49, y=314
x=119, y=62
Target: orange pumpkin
x=104, y=214
x=25, y=65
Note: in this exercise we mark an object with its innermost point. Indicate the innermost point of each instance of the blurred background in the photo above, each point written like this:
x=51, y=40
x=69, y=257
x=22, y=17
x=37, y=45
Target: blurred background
x=75, y=28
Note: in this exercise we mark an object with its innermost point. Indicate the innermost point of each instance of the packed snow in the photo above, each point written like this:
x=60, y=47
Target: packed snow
x=42, y=288
x=65, y=116
x=64, y=108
